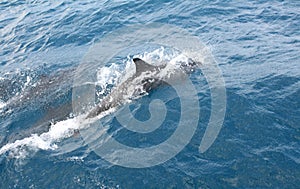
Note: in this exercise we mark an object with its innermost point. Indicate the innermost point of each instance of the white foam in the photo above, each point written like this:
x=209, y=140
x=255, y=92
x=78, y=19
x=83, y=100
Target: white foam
x=108, y=75
x=2, y=105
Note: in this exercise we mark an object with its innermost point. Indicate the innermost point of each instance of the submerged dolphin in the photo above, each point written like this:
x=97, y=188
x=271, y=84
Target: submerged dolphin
x=146, y=78
x=47, y=99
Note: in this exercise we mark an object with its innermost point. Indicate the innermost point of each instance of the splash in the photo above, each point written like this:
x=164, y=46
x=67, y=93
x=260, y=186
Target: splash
x=45, y=141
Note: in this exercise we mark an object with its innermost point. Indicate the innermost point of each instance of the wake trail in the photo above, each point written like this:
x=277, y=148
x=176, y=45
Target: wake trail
x=48, y=140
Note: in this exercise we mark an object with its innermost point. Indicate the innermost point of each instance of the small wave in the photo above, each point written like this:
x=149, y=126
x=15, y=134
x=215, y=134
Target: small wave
x=45, y=141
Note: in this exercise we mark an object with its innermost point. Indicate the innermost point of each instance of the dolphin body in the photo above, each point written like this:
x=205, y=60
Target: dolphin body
x=146, y=78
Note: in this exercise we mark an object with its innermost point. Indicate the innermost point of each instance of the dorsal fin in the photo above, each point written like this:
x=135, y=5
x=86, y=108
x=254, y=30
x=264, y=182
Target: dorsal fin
x=142, y=66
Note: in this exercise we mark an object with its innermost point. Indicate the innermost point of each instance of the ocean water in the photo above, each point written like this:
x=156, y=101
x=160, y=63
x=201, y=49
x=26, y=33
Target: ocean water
x=255, y=44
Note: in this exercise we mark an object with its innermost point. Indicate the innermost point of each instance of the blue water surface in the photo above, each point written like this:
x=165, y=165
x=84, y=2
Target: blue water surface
x=257, y=46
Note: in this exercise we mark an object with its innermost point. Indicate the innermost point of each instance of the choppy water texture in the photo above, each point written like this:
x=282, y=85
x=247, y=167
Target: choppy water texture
x=256, y=44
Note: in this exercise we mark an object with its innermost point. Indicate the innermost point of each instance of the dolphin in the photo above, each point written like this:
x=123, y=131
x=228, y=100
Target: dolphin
x=146, y=78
